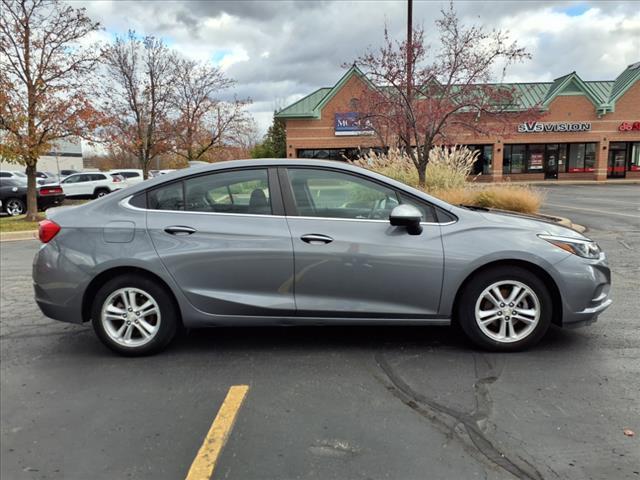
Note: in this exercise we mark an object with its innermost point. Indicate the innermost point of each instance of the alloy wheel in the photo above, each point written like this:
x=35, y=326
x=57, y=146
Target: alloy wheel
x=131, y=317
x=14, y=207
x=507, y=311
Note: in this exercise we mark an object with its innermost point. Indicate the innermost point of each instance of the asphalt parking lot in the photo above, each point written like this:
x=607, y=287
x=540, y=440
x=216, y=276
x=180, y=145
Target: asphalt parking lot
x=325, y=403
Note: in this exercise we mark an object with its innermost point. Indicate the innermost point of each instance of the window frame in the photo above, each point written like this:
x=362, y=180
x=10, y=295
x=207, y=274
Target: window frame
x=291, y=210
x=275, y=196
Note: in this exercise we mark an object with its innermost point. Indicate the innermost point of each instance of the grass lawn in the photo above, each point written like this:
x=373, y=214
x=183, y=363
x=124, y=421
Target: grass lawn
x=18, y=224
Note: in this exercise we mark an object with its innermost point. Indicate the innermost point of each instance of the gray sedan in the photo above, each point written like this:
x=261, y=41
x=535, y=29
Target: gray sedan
x=301, y=242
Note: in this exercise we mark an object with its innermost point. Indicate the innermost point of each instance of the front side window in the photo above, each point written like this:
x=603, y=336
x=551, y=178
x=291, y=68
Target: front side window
x=73, y=179
x=239, y=191
x=324, y=193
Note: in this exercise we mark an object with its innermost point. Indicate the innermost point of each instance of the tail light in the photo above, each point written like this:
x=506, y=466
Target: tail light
x=47, y=229
x=116, y=179
x=50, y=190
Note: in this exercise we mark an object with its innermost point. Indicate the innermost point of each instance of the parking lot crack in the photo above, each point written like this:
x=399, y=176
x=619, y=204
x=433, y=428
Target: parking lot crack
x=443, y=415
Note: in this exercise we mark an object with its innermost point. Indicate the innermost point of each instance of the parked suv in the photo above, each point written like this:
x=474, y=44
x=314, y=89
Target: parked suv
x=90, y=184
x=131, y=175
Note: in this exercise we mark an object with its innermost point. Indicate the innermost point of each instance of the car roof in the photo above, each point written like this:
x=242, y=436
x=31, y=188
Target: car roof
x=273, y=162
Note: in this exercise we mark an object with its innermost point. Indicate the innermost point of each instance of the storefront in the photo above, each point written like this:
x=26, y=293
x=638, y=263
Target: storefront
x=588, y=130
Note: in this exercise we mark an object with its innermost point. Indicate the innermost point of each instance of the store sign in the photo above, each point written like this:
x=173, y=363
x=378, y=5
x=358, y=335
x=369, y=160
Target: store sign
x=349, y=123
x=554, y=127
x=629, y=126
x=535, y=161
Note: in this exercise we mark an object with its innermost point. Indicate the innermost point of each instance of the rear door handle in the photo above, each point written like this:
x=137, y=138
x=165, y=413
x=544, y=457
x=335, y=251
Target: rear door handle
x=179, y=230
x=316, y=238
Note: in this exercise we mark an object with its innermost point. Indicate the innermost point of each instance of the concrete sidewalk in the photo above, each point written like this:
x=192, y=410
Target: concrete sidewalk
x=14, y=236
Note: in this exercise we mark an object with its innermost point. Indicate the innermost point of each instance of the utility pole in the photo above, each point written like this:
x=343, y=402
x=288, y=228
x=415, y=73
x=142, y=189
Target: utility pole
x=409, y=45
x=409, y=62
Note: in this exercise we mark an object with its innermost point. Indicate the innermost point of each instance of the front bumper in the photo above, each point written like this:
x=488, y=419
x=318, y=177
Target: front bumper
x=584, y=286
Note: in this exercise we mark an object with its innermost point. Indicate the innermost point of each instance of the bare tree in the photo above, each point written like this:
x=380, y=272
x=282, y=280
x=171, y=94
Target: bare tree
x=417, y=95
x=43, y=68
x=139, y=76
x=203, y=121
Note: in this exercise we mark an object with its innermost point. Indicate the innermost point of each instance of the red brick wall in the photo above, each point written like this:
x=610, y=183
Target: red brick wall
x=319, y=133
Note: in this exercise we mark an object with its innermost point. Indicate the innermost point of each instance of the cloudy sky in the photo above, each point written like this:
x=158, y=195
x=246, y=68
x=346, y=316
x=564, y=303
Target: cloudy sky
x=279, y=51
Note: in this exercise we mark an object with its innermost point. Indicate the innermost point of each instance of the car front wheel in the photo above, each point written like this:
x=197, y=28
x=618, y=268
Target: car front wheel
x=505, y=309
x=15, y=206
x=134, y=316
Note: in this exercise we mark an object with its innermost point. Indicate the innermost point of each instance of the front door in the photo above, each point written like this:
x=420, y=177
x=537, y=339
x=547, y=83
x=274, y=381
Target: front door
x=551, y=162
x=617, y=160
x=224, y=239
x=349, y=261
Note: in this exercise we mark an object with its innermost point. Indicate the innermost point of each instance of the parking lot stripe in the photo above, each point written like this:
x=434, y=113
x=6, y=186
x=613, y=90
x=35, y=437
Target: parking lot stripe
x=591, y=210
x=205, y=461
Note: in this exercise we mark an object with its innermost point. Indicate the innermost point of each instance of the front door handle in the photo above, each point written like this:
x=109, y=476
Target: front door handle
x=316, y=238
x=179, y=230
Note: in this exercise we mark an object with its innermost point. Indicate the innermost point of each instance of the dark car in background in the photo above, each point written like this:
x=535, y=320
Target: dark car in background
x=13, y=195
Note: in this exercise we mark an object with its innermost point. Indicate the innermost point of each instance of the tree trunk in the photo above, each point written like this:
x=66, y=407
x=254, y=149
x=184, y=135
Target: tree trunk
x=32, y=201
x=422, y=176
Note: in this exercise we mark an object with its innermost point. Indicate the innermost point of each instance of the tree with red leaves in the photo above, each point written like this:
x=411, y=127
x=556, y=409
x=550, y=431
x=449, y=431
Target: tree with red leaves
x=43, y=72
x=418, y=95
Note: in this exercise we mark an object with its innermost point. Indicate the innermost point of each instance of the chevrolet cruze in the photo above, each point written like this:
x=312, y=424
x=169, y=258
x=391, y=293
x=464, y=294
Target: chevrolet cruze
x=302, y=242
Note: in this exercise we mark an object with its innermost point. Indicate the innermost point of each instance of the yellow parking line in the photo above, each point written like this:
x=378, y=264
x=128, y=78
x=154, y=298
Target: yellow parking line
x=205, y=461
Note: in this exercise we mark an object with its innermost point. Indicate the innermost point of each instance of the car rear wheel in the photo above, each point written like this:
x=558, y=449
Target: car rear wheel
x=134, y=316
x=100, y=192
x=15, y=206
x=505, y=309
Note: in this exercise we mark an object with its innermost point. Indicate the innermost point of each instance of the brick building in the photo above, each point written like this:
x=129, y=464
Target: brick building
x=589, y=130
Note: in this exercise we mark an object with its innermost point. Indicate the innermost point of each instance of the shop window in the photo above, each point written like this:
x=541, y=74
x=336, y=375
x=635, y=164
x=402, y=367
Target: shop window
x=582, y=157
x=576, y=158
x=634, y=164
x=535, y=158
x=482, y=165
x=514, y=159
x=590, y=157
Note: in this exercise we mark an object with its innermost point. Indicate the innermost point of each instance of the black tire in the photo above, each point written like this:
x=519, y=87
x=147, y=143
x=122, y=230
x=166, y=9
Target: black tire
x=466, y=308
x=101, y=192
x=169, y=316
x=15, y=206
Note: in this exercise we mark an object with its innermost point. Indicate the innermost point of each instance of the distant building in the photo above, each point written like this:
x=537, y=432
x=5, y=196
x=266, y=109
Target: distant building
x=64, y=155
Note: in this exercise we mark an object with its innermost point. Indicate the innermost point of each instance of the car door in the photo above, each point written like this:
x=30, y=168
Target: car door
x=73, y=184
x=349, y=260
x=224, y=239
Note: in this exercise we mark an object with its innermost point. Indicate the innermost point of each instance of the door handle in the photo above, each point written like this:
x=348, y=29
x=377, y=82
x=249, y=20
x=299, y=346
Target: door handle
x=316, y=238
x=179, y=230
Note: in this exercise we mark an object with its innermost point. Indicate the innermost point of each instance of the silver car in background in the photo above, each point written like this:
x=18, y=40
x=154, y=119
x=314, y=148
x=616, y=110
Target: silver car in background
x=303, y=242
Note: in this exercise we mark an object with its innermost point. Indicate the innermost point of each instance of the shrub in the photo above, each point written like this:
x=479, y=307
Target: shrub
x=449, y=167
x=517, y=198
x=447, y=174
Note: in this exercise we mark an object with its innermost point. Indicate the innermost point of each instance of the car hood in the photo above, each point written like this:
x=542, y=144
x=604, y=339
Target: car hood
x=530, y=222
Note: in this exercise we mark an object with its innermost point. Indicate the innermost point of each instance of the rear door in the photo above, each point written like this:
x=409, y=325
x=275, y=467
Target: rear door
x=349, y=260
x=224, y=239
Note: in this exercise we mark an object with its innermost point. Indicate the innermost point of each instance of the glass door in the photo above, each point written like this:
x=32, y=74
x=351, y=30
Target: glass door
x=617, y=160
x=551, y=161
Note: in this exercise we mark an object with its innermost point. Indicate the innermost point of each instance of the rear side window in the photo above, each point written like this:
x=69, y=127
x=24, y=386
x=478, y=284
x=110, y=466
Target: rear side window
x=97, y=176
x=168, y=197
x=130, y=174
x=239, y=191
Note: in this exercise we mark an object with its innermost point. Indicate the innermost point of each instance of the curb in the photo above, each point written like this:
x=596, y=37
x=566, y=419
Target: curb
x=15, y=236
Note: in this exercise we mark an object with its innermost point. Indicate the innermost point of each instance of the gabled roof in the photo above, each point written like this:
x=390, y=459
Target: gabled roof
x=311, y=106
x=603, y=94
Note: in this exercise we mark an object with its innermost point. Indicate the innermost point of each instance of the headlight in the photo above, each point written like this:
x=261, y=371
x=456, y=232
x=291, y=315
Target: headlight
x=583, y=248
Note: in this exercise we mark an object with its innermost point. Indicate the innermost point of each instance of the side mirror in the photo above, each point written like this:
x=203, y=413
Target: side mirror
x=407, y=216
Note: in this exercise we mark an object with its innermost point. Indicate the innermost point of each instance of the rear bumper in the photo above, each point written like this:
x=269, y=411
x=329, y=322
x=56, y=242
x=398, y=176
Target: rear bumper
x=50, y=201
